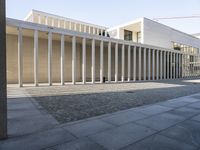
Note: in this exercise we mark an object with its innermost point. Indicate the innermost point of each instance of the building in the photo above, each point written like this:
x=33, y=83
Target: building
x=47, y=49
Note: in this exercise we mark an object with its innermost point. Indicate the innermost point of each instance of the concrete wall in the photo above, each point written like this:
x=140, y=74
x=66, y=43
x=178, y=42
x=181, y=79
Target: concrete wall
x=163, y=36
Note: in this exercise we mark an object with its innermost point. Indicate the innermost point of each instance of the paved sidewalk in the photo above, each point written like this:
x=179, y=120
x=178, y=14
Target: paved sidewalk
x=173, y=125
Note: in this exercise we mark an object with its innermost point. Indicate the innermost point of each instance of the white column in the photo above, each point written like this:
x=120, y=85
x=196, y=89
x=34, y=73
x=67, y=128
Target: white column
x=85, y=29
x=79, y=27
x=164, y=68
x=140, y=67
x=144, y=73
x=52, y=22
x=149, y=64
x=20, y=58
x=58, y=23
x=89, y=29
x=171, y=69
x=168, y=64
x=65, y=26
x=50, y=58
x=39, y=19
x=73, y=60
x=129, y=63
x=70, y=25
x=101, y=62
x=84, y=60
x=93, y=61
x=109, y=62
x=174, y=57
x=101, y=32
x=122, y=78
x=36, y=58
x=134, y=63
x=116, y=62
x=62, y=60
x=75, y=26
x=46, y=21
x=177, y=65
x=161, y=65
x=157, y=64
x=153, y=64
x=93, y=30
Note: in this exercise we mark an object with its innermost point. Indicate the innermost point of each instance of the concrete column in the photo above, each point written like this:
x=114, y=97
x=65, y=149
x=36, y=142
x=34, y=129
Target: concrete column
x=157, y=64
x=109, y=62
x=129, y=63
x=20, y=58
x=174, y=72
x=123, y=55
x=144, y=73
x=101, y=32
x=79, y=27
x=168, y=64
x=116, y=62
x=70, y=25
x=149, y=64
x=89, y=30
x=84, y=28
x=46, y=21
x=75, y=26
x=36, y=58
x=93, y=61
x=139, y=65
x=164, y=65
x=62, y=60
x=134, y=63
x=161, y=65
x=3, y=83
x=58, y=23
x=50, y=58
x=171, y=68
x=65, y=26
x=73, y=60
x=39, y=19
x=153, y=64
x=93, y=30
x=52, y=22
x=177, y=65
x=101, y=62
x=84, y=60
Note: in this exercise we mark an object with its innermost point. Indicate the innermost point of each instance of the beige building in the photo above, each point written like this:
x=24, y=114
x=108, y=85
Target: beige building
x=48, y=49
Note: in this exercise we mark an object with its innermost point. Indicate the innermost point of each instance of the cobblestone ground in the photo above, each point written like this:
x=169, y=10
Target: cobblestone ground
x=75, y=102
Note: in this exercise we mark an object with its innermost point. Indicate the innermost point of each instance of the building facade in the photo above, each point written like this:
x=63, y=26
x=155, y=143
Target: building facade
x=48, y=49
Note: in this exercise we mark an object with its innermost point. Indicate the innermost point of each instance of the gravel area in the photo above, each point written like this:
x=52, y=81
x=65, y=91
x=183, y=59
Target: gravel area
x=75, y=102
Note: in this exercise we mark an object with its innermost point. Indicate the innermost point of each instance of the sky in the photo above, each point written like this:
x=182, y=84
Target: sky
x=110, y=13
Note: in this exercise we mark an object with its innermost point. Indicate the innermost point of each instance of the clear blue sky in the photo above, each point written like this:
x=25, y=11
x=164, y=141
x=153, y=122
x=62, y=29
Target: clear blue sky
x=113, y=12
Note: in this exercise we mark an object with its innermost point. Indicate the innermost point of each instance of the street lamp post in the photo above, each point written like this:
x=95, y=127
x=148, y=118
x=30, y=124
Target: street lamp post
x=3, y=86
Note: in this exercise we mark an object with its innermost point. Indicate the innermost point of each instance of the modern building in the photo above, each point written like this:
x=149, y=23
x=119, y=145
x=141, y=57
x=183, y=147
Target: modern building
x=47, y=49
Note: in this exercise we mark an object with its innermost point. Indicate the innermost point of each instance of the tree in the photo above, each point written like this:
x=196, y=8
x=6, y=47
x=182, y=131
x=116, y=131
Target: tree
x=3, y=82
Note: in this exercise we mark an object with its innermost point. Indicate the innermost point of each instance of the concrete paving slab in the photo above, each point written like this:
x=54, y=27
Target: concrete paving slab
x=88, y=127
x=174, y=103
x=30, y=124
x=124, y=117
x=153, y=109
x=38, y=140
x=185, y=112
x=79, y=144
x=122, y=136
x=158, y=142
x=187, y=132
x=161, y=121
x=195, y=105
x=196, y=118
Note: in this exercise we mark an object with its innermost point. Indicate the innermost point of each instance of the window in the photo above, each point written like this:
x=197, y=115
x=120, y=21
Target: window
x=128, y=35
x=139, y=37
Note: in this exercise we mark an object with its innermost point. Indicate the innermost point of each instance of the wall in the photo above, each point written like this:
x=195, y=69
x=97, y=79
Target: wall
x=162, y=36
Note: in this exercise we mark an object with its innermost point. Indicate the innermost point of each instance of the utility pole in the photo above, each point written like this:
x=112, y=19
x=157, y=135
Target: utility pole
x=3, y=82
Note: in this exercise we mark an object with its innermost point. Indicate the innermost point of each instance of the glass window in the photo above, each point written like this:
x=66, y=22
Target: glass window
x=128, y=35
